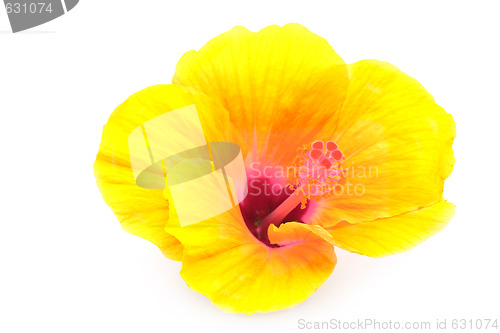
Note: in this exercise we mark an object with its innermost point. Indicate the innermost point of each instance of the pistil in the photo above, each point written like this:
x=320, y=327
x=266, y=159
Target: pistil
x=277, y=216
x=318, y=172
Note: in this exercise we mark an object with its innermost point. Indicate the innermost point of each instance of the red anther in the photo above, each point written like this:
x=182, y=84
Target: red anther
x=337, y=154
x=326, y=163
x=331, y=146
x=315, y=154
x=317, y=145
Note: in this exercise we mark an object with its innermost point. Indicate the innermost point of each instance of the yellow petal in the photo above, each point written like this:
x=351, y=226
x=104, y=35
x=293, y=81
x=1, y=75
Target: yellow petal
x=141, y=212
x=145, y=212
x=397, y=146
x=225, y=262
x=279, y=85
x=392, y=235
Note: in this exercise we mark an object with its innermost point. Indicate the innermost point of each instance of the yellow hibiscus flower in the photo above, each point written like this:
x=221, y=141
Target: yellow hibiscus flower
x=288, y=100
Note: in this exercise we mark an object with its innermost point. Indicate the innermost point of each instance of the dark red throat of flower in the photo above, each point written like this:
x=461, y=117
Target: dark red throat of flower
x=316, y=173
x=264, y=197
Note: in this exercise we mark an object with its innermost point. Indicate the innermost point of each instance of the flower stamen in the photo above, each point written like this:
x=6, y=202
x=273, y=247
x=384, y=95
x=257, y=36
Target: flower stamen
x=317, y=173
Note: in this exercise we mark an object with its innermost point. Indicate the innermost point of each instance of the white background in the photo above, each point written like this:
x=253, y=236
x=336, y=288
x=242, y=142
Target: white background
x=67, y=266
